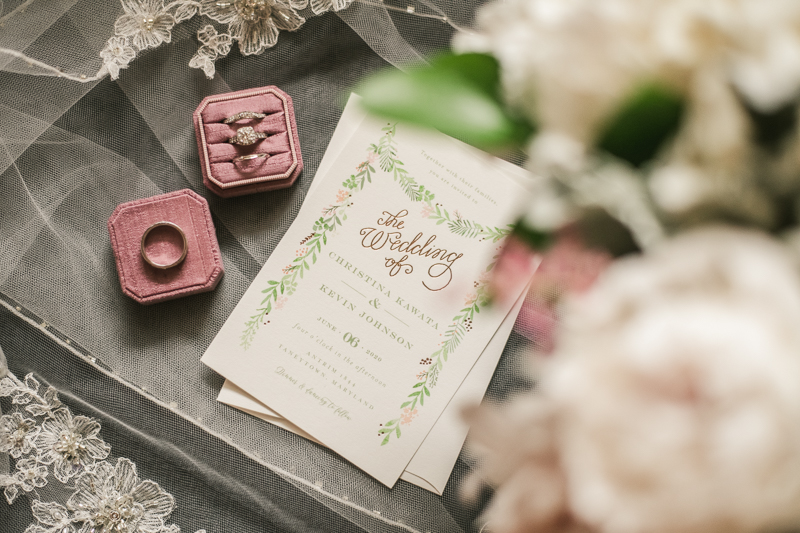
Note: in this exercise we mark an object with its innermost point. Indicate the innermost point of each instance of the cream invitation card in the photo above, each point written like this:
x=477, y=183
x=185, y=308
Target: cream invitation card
x=372, y=310
x=432, y=464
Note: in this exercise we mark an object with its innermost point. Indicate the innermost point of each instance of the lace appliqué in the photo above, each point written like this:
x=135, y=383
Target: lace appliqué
x=253, y=24
x=46, y=441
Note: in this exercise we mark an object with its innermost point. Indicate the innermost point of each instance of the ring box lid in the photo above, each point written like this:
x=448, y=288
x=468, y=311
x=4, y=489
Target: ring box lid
x=228, y=178
x=200, y=271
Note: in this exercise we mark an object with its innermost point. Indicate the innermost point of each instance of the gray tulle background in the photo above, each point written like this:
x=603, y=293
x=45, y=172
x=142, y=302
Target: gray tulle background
x=71, y=150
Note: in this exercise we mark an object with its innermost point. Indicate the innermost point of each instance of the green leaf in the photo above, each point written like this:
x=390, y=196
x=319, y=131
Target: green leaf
x=456, y=94
x=405, y=404
x=386, y=440
x=481, y=70
x=270, y=282
x=397, y=430
x=638, y=129
x=427, y=392
x=420, y=384
x=534, y=238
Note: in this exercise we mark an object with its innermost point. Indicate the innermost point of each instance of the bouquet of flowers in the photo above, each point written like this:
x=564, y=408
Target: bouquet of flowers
x=666, y=147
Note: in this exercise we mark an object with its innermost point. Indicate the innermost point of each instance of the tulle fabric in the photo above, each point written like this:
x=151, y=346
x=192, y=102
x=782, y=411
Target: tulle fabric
x=74, y=145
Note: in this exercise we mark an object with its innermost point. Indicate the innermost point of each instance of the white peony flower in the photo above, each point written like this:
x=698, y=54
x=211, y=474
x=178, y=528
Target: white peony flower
x=565, y=64
x=672, y=402
x=569, y=64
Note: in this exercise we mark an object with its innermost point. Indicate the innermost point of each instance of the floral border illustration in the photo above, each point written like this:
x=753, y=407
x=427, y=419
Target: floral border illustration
x=384, y=153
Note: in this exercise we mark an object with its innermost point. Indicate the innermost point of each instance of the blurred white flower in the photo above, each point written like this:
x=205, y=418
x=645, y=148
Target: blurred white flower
x=671, y=403
x=569, y=64
x=564, y=63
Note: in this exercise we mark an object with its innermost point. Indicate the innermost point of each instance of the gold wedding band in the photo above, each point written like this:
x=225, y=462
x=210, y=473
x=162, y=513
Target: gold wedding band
x=144, y=248
x=247, y=136
x=244, y=114
x=249, y=157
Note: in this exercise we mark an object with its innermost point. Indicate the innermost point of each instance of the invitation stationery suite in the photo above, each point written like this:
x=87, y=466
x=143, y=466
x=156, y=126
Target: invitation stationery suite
x=432, y=464
x=372, y=310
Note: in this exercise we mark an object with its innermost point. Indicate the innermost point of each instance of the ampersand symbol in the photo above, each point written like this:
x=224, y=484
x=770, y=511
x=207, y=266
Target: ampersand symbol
x=375, y=303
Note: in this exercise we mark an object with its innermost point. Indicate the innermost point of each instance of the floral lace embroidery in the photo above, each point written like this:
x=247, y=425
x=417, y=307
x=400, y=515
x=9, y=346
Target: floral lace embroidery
x=253, y=24
x=45, y=439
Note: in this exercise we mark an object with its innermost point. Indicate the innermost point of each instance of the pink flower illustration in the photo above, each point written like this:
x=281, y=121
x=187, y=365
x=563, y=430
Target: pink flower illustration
x=372, y=157
x=280, y=302
x=342, y=195
x=422, y=375
x=301, y=251
x=408, y=416
x=287, y=269
x=427, y=211
x=470, y=299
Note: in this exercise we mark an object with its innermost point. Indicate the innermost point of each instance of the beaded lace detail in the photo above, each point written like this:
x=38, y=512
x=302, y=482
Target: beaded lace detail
x=253, y=24
x=49, y=444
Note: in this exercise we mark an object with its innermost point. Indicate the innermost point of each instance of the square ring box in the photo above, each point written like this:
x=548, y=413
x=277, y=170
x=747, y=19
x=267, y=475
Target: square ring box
x=180, y=221
x=273, y=162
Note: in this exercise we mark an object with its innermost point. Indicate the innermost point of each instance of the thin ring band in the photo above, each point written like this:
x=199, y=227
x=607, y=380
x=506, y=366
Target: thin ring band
x=159, y=265
x=244, y=114
x=247, y=136
x=249, y=157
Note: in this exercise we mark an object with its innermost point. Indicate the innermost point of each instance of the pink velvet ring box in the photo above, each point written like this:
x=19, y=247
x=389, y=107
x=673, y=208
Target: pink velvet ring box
x=282, y=161
x=200, y=271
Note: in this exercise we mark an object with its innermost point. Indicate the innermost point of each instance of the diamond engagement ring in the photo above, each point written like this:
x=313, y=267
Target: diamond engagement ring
x=247, y=136
x=244, y=114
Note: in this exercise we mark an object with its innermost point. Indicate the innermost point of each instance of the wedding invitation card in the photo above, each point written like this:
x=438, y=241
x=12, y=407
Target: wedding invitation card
x=372, y=311
x=432, y=464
